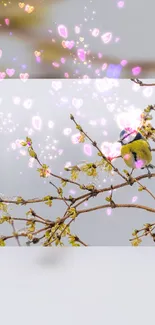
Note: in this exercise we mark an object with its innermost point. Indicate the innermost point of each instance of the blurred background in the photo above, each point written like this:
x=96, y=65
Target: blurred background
x=41, y=110
x=76, y=39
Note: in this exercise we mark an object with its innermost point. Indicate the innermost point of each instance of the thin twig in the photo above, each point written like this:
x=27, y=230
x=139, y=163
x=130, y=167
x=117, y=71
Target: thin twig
x=15, y=232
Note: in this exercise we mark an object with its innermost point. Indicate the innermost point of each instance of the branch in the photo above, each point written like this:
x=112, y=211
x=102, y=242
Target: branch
x=140, y=83
x=94, y=143
x=137, y=206
x=15, y=232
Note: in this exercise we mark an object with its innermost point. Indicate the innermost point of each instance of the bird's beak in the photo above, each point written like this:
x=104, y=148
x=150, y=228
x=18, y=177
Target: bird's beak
x=119, y=141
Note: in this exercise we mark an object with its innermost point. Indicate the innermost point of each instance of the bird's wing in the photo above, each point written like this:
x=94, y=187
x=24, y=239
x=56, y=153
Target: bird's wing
x=147, y=143
x=146, y=150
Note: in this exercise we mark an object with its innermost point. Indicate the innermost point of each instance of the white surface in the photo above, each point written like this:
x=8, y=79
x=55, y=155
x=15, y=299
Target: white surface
x=77, y=286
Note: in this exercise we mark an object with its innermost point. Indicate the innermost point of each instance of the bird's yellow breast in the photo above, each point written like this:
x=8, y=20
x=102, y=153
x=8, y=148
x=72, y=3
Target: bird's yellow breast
x=136, y=154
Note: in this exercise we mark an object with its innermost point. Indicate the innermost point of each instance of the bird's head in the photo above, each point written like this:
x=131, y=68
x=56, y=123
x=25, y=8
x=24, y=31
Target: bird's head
x=129, y=135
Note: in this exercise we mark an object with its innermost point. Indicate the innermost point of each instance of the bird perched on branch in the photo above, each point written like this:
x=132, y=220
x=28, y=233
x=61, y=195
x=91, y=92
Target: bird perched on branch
x=135, y=150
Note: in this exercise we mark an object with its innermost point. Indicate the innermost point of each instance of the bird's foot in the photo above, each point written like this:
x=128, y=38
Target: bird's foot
x=131, y=172
x=130, y=178
x=149, y=173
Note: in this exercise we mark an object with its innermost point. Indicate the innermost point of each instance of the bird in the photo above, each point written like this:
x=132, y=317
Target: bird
x=135, y=150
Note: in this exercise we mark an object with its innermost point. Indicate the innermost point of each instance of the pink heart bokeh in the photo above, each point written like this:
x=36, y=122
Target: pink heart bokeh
x=110, y=150
x=24, y=76
x=10, y=72
x=69, y=44
x=2, y=75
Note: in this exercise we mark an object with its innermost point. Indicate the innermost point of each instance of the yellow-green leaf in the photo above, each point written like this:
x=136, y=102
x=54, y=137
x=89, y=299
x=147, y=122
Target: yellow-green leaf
x=136, y=242
x=32, y=153
x=47, y=234
x=63, y=183
x=2, y=242
x=140, y=188
x=24, y=144
x=49, y=203
x=3, y=207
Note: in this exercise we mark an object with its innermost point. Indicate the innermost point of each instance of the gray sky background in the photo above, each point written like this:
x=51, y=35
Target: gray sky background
x=56, y=149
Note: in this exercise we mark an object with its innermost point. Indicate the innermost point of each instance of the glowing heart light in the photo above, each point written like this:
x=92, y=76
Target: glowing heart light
x=77, y=29
x=21, y=5
x=62, y=30
x=60, y=152
x=27, y=103
x=106, y=38
x=69, y=44
x=10, y=72
x=136, y=71
x=29, y=9
x=16, y=100
x=31, y=161
x=63, y=60
x=64, y=44
x=109, y=211
x=88, y=149
x=135, y=87
x=67, y=131
x=24, y=76
x=110, y=150
x=38, y=59
x=148, y=91
x=81, y=54
x=120, y=4
x=117, y=39
x=75, y=138
x=2, y=75
x=13, y=146
x=104, y=66
x=56, y=64
x=37, y=123
x=77, y=102
x=124, y=63
x=97, y=71
x=50, y=124
x=134, y=199
x=37, y=54
x=56, y=85
x=18, y=143
x=100, y=55
x=103, y=121
x=95, y=32
x=7, y=21
x=66, y=75
x=130, y=119
x=111, y=107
